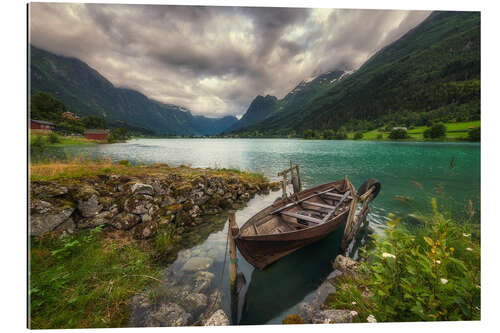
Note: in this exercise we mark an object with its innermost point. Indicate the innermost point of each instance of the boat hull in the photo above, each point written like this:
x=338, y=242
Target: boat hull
x=263, y=250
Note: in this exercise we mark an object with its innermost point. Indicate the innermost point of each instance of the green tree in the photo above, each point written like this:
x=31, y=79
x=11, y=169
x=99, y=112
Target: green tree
x=119, y=134
x=358, y=135
x=45, y=107
x=435, y=132
x=475, y=134
x=93, y=122
x=398, y=133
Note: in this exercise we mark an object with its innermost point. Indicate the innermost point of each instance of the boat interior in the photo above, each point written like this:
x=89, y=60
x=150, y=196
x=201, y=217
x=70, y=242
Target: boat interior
x=309, y=211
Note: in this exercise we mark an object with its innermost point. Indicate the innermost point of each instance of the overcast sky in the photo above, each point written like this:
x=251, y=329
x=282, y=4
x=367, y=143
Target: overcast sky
x=214, y=60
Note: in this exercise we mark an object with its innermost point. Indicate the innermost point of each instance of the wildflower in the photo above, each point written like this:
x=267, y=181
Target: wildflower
x=353, y=303
x=388, y=255
x=469, y=249
x=354, y=313
x=444, y=281
x=466, y=235
x=371, y=319
x=438, y=261
x=478, y=286
x=452, y=249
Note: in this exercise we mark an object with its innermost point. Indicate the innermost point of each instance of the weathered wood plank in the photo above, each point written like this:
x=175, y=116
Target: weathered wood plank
x=303, y=199
x=317, y=204
x=341, y=201
x=335, y=195
x=302, y=217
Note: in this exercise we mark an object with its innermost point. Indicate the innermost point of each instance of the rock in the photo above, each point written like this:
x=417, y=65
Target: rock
x=167, y=201
x=202, y=281
x=371, y=319
x=139, y=204
x=145, y=230
x=245, y=196
x=125, y=221
x=68, y=227
x=92, y=222
x=332, y=317
x=158, y=188
x=306, y=312
x=40, y=206
x=199, y=198
x=42, y=223
x=322, y=293
x=219, y=318
x=90, y=206
x=169, y=314
x=345, y=264
x=197, y=264
x=195, y=211
x=48, y=190
x=139, y=188
x=194, y=303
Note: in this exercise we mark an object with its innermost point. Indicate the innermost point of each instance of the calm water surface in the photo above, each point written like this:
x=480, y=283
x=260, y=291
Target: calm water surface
x=410, y=172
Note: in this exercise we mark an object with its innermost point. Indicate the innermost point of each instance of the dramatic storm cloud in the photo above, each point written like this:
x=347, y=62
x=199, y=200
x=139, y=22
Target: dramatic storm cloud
x=214, y=60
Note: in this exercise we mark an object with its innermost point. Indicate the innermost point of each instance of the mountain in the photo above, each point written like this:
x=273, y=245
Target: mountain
x=260, y=108
x=266, y=107
x=432, y=73
x=86, y=92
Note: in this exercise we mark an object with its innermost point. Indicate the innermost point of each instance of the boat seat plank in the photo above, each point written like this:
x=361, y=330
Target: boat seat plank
x=296, y=224
x=302, y=217
x=335, y=195
x=317, y=204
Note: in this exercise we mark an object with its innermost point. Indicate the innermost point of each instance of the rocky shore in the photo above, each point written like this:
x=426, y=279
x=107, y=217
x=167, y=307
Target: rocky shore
x=137, y=204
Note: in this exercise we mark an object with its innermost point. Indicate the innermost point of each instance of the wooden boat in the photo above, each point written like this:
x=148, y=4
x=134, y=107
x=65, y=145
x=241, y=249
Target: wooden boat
x=294, y=222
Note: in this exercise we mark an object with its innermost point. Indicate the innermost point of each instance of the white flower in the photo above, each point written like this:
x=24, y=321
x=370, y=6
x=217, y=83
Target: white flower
x=469, y=249
x=354, y=313
x=353, y=303
x=388, y=255
x=478, y=286
x=444, y=281
x=466, y=235
x=438, y=261
x=371, y=319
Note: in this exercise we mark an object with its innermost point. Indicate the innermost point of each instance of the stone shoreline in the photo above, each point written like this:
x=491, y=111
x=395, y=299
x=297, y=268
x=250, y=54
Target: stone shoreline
x=137, y=204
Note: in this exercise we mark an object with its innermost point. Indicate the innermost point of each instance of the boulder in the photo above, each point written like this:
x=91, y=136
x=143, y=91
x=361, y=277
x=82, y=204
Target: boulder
x=139, y=204
x=68, y=227
x=345, y=264
x=218, y=318
x=202, y=281
x=332, y=316
x=306, y=312
x=48, y=190
x=157, y=188
x=95, y=221
x=145, y=230
x=139, y=188
x=40, y=206
x=194, y=303
x=125, y=221
x=197, y=264
x=89, y=206
x=42, y=223
x=169, y=314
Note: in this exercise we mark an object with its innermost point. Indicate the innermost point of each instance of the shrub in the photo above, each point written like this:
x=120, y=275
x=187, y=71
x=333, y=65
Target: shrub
x=124, y=162
x=329, y=134
x=433, y=275
x=474, y=134
x=380, y=136
x=398, y=133
x=53, y=138
x=435, y=132
x=38, y=143
x=358, y=135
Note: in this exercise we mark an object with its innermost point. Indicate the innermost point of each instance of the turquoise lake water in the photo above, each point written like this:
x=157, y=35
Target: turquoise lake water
x=411, y=173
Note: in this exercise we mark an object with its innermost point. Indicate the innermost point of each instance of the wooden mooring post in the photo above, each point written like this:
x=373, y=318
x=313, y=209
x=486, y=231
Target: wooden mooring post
x=232, y=231
x=355, y=221
x=294, y=179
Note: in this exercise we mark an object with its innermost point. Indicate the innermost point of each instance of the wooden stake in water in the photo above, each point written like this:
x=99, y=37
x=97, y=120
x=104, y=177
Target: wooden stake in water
x=232, y=231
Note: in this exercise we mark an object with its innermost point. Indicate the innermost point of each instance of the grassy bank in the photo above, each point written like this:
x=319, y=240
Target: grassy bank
x=87, y=279
x=454, y=132
x=427, y=274
x=82, y=167
x=42, y=139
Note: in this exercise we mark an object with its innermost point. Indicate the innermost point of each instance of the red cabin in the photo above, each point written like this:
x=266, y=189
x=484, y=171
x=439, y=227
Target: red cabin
x=42, y=125
x=97, y=134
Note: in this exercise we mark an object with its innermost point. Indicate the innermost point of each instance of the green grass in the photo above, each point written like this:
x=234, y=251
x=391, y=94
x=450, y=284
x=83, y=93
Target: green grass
x=431, y=273
x=454, y=132
x=63, y=140
x=86, y=281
